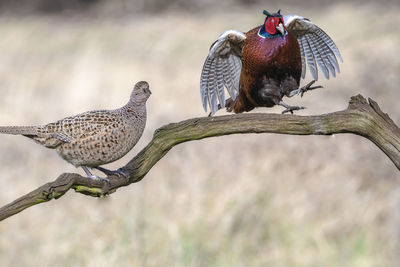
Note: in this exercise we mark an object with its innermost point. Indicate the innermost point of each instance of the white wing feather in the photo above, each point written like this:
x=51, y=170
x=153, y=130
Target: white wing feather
x=316, y=47
x=222, y=69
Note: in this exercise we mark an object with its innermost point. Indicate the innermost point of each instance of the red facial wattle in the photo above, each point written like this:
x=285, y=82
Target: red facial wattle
x=270, y=25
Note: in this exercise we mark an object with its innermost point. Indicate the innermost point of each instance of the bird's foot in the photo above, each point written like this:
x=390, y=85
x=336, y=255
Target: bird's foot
x=304, y=89
x=120, y=172
x=289, y=108
x=94, y=177
x=218, y=108
x=228, y=105
x=210, y=114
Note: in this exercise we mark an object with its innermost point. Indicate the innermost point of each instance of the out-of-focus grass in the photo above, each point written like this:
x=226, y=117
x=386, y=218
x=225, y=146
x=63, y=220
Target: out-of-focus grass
x=245, y=200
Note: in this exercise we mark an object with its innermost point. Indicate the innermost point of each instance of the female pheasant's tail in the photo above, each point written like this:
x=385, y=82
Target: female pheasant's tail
x=22, y=130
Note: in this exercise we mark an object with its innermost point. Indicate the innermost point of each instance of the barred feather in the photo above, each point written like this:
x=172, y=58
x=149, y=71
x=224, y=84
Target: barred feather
x=238, y=69
x=324, y=51
x=310, y=58
x=222, y=69
x=328, y=41
x=317, y=55
x=328, y=67
x=331, y=50
x=211, y=88
x=220, y=82
x=228, y=78
x=303, y=60
x=23, y=130
x=316, y=47
x=203, y=83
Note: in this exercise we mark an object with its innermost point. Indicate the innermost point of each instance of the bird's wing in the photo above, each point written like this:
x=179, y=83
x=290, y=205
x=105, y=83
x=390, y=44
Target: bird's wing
x=63, y=137
x=222, y=68
x=316, y=47
x=52, y=140
x=79, y=126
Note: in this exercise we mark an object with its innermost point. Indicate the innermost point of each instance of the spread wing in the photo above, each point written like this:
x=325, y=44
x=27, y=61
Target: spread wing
x=316, y=47
x=222, y=69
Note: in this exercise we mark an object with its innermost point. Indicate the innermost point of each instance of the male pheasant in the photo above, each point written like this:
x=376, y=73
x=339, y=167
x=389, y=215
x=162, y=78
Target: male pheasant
x=261, y=66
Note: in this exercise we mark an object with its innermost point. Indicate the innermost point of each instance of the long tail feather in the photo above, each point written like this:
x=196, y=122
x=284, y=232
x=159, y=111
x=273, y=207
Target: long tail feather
x=23, y=130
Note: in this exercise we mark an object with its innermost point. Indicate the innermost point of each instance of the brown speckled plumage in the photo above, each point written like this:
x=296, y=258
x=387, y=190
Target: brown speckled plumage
x=93, y=138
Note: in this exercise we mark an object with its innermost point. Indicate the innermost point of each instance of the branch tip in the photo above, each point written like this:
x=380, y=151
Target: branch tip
x=357, y=101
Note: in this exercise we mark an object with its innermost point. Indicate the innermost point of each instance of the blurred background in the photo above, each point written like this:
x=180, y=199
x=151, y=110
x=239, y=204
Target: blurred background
x=243, y=200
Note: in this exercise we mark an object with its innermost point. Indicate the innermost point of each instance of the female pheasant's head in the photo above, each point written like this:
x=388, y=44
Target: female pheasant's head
x=273, y=25
x=140, y=93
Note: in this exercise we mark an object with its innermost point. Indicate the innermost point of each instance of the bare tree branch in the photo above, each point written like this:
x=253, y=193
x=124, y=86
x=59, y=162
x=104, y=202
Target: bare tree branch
x=361, y=118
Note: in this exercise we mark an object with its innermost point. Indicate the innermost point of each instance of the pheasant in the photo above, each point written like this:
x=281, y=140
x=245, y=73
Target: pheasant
x=93, y=138
x=260, y=67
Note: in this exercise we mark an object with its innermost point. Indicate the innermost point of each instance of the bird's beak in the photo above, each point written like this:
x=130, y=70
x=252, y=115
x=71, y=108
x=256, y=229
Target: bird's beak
x=280, y=28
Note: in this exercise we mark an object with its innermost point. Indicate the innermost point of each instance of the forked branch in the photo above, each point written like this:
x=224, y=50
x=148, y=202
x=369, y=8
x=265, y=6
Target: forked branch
x=362, y=117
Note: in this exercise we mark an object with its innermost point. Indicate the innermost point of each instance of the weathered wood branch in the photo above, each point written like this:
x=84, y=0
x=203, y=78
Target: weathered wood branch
x=361, y=118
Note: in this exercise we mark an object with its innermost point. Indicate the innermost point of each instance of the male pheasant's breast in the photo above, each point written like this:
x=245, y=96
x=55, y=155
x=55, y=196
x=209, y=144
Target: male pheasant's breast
x=271, y=56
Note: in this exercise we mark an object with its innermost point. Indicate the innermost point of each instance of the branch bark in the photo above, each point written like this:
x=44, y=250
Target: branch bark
x=362, y=117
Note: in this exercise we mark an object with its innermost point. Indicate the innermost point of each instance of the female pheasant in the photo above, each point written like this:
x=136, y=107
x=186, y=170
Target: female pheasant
x=93, y=138
x=261, y=66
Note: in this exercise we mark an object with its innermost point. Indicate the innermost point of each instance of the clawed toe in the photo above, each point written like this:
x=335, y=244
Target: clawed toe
x=120, y=172
x=94, y=177
x=97, y=178
x=308, y=87
x=304, y=89
x=289, y=108
x=104, y=179
x=228, y=105
x=107, y=172
x=218, y=108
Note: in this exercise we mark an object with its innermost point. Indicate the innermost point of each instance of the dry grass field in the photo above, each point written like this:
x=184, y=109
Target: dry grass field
x=242, y=200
